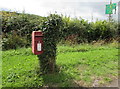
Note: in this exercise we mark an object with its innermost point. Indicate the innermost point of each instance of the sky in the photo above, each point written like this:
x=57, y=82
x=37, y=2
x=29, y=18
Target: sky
x=86, y=9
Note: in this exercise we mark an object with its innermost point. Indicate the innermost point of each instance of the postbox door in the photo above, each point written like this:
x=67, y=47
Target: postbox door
x=37, y=43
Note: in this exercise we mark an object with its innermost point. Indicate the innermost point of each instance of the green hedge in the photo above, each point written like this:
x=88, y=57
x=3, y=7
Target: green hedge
x=76, y=29
x=17, y=29
x=51, y=28
x=88, y=32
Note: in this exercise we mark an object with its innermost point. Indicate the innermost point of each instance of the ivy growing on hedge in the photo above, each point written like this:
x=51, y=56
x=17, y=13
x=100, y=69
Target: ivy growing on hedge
x=51, y=28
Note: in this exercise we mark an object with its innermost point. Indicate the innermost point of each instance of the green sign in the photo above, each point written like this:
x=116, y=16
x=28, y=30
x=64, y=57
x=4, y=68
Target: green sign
x=114, y=6
x=110, y=8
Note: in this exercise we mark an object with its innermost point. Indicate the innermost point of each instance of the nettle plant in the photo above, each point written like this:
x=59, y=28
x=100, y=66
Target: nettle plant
x=52, y=29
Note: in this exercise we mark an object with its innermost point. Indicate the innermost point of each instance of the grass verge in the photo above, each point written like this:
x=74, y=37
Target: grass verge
x=80, y=65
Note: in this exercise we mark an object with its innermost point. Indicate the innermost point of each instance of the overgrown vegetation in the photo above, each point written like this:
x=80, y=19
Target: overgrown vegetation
x=79, y=65
x=17, y=29
x=51, y=29
x=73, y=30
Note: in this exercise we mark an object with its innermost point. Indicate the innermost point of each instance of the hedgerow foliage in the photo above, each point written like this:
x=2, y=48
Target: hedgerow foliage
x=17, y=29
x=88, y=32
x=51, y=28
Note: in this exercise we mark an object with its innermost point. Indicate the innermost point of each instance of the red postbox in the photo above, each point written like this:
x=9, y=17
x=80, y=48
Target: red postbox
x=37, y=42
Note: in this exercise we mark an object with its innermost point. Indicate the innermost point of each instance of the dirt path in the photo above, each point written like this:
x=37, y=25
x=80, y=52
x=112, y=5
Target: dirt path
x=114, y=83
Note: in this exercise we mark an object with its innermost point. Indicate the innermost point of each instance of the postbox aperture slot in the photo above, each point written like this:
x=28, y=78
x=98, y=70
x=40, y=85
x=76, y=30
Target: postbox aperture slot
x=38, y=35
